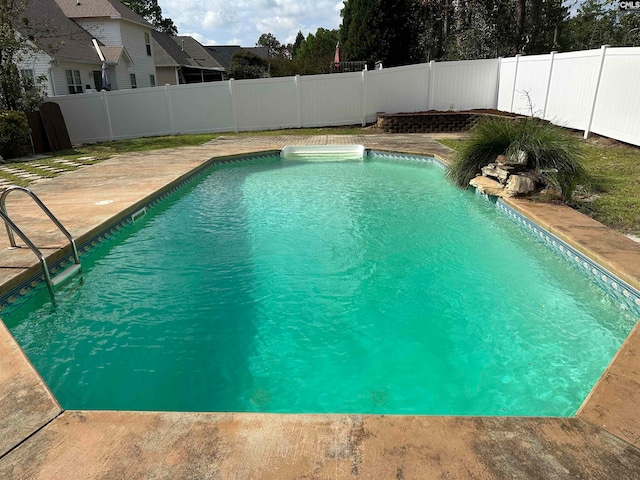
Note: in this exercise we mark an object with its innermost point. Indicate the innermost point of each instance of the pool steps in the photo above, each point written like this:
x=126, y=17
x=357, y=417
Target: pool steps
x=66, y=274
x=324, y=152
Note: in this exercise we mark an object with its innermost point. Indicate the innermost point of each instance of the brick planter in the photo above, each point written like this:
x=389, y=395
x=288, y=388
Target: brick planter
x=432, y=122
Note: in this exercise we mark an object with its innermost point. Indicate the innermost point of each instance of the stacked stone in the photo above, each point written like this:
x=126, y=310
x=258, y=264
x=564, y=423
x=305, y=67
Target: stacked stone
x=508, y=176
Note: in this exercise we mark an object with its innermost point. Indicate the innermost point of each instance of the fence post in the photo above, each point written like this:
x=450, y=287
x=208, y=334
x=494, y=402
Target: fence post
x=546, y=95
x=172, y=127
x=515, y=79
x=107, y=114
x=432, y=66
x=298, y=102
x=363, y=99
x=498, y=82
x=603, y=53
x=234, y=108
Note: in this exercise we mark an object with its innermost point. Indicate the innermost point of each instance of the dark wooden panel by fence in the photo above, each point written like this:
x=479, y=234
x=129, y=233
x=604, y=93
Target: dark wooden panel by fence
x=55, y=127
x=38, y=134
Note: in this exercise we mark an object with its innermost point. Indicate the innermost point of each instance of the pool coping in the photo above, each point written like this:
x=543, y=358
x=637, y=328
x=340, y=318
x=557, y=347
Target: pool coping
x=334, y=446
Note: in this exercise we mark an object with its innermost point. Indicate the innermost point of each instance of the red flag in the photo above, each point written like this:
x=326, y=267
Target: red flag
x=336, y=58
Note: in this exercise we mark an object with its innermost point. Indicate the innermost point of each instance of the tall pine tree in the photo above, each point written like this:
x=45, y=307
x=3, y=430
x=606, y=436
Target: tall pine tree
x=391, y=31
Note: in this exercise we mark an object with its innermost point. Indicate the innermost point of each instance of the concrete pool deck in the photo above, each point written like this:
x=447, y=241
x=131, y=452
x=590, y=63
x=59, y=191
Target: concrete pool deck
x=39, y=439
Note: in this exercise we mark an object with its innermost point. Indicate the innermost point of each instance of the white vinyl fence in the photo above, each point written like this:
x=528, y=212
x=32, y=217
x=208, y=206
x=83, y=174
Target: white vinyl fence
x=592, y=90
x=273, y=103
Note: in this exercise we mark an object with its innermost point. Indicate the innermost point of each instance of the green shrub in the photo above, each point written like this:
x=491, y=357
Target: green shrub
x=245, y=64
x=552, y=153
x=14, y=134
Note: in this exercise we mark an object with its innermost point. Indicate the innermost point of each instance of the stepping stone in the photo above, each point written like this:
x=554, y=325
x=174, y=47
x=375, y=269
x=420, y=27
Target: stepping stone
x=72, y=164
x=47, y=168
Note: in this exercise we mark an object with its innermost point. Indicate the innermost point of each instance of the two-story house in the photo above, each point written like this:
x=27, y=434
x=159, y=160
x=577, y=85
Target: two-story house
x=61, y=53
x=125, y=35
x=75, y=38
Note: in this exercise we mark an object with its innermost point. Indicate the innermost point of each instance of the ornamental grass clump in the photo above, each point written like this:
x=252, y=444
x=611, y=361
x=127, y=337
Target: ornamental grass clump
x=551, y=152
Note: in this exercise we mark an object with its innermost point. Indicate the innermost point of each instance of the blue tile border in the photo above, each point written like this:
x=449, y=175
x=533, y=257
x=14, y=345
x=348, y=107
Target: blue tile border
x=16, y=294
x=626, y=295
x=404, y=157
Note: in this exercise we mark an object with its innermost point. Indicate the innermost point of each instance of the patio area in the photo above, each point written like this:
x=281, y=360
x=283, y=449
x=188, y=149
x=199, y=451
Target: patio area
x=41, y=440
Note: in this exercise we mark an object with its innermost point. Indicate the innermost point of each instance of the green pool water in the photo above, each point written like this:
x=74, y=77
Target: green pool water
x=292, y=286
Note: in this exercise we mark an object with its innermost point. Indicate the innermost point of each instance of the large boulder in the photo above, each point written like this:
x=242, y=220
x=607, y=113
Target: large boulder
x=520, y=185
x=487, y=186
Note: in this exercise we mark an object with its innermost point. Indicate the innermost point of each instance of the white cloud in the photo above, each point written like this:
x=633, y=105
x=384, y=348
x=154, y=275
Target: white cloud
x=275, y=24
x=200, y=38
x=243, y=21
x=219, y=18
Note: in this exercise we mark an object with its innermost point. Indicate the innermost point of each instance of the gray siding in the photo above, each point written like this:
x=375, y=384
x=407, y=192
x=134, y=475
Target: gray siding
x=133, y=40
x=166, y=75
x=40, y=63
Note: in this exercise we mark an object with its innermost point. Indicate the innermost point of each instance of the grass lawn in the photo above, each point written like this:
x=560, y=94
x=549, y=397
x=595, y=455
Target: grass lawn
x=614, y=173
x=107, y=149
x=613, y=192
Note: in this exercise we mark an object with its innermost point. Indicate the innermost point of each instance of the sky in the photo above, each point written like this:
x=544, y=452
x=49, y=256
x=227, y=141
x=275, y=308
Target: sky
x=241, y=22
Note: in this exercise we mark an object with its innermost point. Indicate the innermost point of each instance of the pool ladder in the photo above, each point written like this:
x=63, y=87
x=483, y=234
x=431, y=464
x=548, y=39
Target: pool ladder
x=11, y=227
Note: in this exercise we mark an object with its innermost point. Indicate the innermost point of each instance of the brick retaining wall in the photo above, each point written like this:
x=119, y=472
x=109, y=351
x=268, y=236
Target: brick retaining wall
x=429, y=122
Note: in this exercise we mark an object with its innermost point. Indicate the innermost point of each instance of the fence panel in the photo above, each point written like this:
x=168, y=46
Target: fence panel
x=140, y=112
x=464, y=85
x=573, y=84
x=265, y=104
x=531, y=85
x=398, y=89
x=506, y=83
x=333, y=99
x=348, y=98
x=201, y=107
x=617, y=111
x=85, y=117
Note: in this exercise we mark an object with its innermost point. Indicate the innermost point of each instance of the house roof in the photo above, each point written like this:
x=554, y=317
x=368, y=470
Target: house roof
x=58, y=36
x=112, y=54
x=223, y=53
x=196, y=52
x=167, y=53
x=100, y=9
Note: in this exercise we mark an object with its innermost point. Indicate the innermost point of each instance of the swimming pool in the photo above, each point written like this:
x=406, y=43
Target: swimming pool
x=386, y=310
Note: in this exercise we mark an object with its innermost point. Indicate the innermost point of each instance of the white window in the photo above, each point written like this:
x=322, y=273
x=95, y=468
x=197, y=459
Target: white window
x=27, y=74
x=74, y=81
x=134, y=83
x=147, y=41
x=152, y=80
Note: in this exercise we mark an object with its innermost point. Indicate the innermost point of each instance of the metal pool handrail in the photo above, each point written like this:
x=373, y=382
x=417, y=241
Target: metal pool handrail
x=12, y=227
